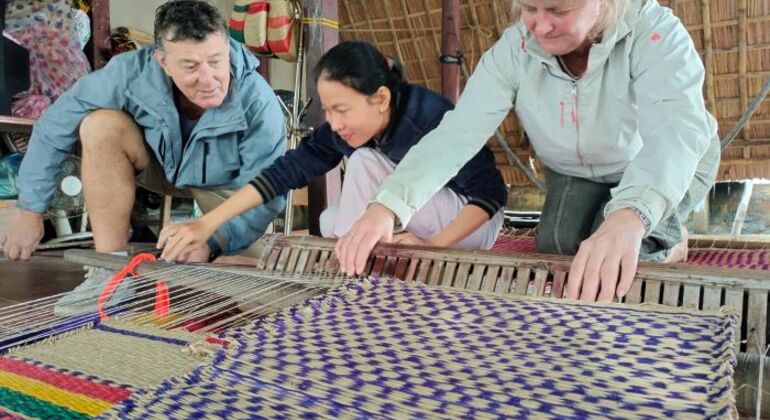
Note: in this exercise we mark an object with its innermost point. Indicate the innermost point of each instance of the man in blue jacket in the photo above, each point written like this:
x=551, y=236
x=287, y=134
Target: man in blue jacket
x=190, y=116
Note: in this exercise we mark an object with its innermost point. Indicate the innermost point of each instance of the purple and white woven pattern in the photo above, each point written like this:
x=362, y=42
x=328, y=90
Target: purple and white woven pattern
x=386, y=348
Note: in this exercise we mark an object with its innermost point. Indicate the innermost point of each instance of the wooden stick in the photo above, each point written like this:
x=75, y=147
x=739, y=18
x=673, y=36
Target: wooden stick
x=15, y=124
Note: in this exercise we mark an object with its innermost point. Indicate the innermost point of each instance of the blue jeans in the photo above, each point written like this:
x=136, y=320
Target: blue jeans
x=574, y=209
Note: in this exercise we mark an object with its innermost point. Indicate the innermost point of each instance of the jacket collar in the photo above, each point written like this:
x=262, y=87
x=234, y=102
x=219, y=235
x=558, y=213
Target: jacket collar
x=417, y=107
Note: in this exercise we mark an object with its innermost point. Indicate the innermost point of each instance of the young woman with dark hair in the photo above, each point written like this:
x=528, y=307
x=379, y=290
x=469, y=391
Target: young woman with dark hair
x=373, y=118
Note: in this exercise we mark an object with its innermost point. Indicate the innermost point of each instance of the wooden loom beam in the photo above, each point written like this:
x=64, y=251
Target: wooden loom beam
x=675, y=285
x=685, y=273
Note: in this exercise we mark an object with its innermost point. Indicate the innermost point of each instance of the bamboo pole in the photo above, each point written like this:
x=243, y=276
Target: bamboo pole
x=450, y=46
x=323, y=190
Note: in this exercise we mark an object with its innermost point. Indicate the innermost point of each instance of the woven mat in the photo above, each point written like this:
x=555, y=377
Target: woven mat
x=83, y=373
x=391, y=349
x=724, y=258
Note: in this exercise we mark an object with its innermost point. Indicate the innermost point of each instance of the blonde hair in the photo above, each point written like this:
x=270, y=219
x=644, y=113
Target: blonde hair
x=611, y=13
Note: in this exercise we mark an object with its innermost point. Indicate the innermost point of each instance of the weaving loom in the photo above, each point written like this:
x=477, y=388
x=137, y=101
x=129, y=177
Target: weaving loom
x=221, y=317
x=710, y=253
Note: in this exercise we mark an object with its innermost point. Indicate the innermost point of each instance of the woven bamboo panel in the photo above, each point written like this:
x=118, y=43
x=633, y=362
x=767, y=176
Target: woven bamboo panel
x=732, y=36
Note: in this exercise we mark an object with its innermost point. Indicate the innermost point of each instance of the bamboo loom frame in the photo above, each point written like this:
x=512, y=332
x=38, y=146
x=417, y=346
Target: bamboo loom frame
x=677, y=285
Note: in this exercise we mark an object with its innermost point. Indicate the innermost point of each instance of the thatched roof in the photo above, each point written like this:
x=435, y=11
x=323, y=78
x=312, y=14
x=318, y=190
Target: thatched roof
x=733, y=37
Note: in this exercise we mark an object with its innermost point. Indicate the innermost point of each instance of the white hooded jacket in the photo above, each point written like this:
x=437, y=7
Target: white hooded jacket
x=638, y=111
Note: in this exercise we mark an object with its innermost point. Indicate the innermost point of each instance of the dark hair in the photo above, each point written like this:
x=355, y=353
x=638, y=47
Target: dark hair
x=359, y=65
x=183, y=20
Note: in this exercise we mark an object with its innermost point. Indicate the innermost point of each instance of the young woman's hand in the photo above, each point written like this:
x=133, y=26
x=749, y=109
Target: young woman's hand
x=611, y=251
x=353, y=249
x=180, y=240
x=407, y=238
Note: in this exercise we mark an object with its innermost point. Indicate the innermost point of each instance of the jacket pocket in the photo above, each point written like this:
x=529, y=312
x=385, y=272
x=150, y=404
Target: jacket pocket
x=221, y=162
x=205, y=161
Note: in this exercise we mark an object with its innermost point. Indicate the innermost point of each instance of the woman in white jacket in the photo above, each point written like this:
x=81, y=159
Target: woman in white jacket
x=609, y=93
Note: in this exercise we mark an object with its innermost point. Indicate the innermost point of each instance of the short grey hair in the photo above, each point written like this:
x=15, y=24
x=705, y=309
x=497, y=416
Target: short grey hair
x=184, y=20
x=612, y=12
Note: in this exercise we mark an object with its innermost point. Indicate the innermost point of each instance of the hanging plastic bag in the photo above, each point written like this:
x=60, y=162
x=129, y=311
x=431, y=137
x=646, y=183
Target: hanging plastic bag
x=9, y=171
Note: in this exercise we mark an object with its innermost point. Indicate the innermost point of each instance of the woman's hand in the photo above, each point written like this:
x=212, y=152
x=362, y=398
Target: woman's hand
x=180, y=240
x=407, y=238
x=613, y=249
x=353, y=249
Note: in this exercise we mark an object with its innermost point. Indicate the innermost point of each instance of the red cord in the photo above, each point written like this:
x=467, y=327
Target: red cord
x=162, y=301
x=161, y=290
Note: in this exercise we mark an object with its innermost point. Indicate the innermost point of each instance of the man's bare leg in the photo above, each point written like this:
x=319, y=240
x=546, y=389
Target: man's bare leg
x=113, y=153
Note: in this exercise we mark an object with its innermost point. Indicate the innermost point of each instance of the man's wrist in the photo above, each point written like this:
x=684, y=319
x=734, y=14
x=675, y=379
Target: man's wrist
x=24, y=213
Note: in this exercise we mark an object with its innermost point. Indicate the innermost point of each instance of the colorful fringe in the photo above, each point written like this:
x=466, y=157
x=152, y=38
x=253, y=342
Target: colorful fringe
x=390, y=349
x=83, y=373
x=36, y=391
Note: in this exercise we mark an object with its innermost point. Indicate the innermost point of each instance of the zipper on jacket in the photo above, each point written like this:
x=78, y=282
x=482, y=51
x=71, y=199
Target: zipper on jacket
x=574, y=115
x=205, y=161
x=575, y=119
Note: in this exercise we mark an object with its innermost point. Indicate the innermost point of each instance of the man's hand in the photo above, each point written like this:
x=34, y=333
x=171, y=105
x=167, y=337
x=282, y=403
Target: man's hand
x=22, y=235
x=612, y=249
x=353, y=249
x=195, y=253
x=181, y=240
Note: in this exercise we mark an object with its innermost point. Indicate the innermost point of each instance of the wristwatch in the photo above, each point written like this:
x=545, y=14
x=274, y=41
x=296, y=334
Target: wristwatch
x=646, y=222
